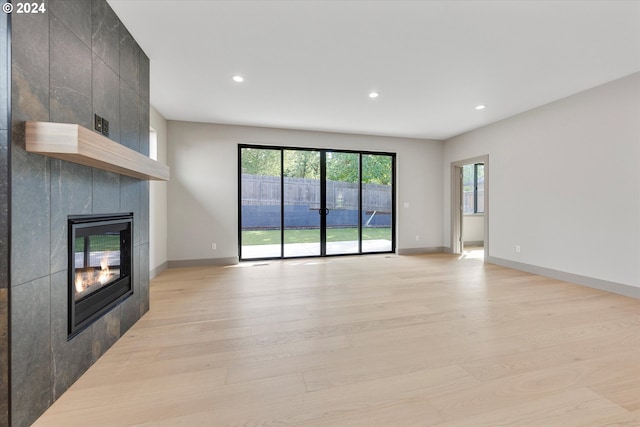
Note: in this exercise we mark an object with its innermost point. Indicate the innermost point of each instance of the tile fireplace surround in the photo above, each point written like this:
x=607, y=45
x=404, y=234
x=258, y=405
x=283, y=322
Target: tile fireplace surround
x=67, y=64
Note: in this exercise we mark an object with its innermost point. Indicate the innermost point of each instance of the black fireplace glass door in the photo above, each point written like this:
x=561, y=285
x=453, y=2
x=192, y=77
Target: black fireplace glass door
x=100, y=266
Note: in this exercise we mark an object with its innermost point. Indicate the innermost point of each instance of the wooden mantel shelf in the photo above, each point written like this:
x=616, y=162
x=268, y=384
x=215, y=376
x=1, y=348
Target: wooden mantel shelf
x=78, y=144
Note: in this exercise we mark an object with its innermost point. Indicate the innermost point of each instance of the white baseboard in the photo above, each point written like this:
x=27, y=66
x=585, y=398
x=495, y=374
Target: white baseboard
x=159, y=269
x=203, y=262
x=603, y=285
x=479, y=243
x=418, y=251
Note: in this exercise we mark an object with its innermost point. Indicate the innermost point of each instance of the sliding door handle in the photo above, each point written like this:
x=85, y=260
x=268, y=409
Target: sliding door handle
x=326, y=211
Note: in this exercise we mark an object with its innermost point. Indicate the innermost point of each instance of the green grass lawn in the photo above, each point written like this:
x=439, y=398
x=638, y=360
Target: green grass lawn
x=100, y=243
x=272, y=237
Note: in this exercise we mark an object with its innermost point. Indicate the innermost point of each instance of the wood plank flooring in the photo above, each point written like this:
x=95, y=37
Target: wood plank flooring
x=384, y=340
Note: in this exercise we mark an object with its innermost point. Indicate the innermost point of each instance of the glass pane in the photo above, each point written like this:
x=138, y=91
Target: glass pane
x=467, y=189
x=260, y=203
x=97, y=264
x=480, y=190
x=343, y=201
x=301, y=203
x=376, y=203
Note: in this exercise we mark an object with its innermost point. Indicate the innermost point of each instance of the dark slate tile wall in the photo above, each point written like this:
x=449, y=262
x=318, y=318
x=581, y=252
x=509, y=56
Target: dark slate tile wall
x=70, y=91
x=105, y=34
x=30, y=213
x=4, y=356
x=76, y=16
x=5, y=67
x=74, y=357
x=29, y=70
x=106, y=95
x=31, y=351
x=69, y=63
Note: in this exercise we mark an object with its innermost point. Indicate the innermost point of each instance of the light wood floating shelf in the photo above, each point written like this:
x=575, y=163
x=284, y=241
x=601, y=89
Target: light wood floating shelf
x=78, y=144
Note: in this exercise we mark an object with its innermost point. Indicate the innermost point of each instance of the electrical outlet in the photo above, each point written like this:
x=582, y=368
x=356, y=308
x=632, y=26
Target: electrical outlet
x=97, y=123
x=214, y=246
x=417, y=237
x=517, y=249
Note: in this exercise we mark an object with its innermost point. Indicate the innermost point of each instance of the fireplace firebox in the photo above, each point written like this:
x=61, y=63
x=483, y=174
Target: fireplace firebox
x=100, y=266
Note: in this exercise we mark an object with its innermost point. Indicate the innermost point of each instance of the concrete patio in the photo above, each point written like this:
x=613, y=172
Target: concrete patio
x=313, y=249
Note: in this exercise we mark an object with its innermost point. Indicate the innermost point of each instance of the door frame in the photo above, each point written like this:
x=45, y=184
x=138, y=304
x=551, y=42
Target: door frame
x=323, y=195
x=456, y=203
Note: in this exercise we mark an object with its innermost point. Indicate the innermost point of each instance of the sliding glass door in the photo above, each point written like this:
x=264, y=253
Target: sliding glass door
x=313, y=202
x=342, y=185
x=261, y=202
x=377, y=203
x=301, y=203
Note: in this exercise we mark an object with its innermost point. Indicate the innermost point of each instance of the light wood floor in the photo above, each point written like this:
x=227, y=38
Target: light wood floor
x=428, y=340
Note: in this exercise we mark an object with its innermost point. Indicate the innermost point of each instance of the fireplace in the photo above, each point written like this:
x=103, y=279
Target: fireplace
x=100, y=266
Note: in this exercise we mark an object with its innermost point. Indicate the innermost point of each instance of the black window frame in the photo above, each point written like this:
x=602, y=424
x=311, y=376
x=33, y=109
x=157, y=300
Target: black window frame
x=323, y=152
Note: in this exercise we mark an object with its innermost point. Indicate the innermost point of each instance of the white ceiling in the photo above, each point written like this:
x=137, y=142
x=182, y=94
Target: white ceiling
x=311, y=64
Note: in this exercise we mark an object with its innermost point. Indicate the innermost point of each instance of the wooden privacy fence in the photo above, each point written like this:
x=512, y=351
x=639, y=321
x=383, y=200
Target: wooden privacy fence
x=261, y=190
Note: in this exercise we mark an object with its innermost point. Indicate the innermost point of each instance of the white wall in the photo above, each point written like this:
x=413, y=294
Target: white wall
x=158, y=202
x=473, y=228
x=564, y=183
x=203, y=190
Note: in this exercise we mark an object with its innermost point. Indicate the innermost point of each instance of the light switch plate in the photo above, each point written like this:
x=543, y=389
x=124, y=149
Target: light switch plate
x=105, y=127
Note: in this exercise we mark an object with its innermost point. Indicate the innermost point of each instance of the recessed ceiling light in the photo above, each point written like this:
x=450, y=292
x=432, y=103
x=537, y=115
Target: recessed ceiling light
x=373, y=94
x=238, y=79
x=481, y=107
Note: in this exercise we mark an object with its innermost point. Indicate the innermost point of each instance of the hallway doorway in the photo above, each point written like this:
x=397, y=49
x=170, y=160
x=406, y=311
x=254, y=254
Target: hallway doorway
x=470, y=207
